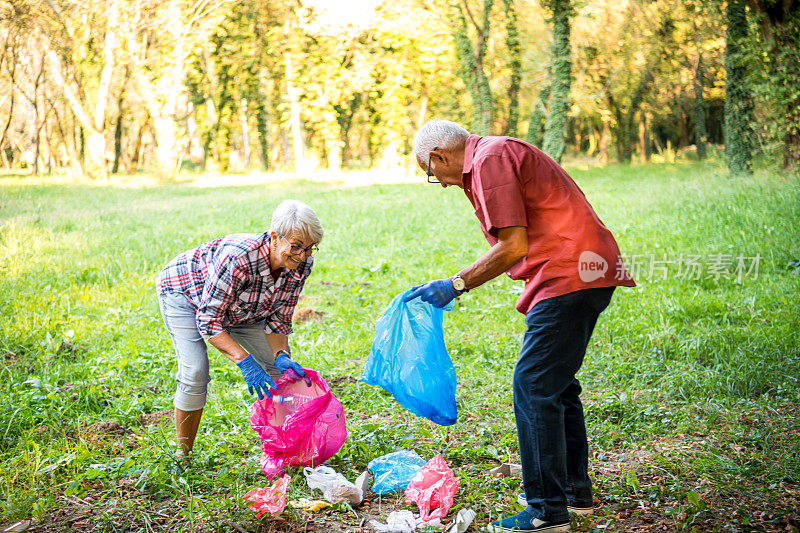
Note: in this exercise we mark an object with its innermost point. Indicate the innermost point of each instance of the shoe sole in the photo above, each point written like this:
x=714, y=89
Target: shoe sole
x=580, y=511
x=555, y=528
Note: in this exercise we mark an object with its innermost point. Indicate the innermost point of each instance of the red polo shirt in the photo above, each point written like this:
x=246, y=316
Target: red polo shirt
x=512, y=183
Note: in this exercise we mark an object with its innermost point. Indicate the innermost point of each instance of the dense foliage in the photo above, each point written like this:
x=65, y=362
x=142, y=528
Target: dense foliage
x=111, y=85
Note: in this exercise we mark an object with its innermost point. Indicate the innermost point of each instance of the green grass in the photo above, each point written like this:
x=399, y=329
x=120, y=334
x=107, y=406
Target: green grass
x=699, y=377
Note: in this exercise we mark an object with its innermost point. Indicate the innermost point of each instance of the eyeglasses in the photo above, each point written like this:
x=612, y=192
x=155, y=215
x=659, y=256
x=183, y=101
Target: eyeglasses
x=296, y=250
x=428, y=173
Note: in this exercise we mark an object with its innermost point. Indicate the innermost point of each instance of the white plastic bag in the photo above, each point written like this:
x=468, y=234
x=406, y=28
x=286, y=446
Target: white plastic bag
x=462, y=521
x=397, y=522
x=334, y=486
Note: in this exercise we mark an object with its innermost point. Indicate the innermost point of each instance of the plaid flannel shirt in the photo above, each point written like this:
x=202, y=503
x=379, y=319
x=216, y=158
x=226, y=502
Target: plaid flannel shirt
x=228, y=282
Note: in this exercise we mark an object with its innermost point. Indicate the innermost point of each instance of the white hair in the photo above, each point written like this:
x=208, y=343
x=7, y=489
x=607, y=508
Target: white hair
x=438, y=134
x=295, y=217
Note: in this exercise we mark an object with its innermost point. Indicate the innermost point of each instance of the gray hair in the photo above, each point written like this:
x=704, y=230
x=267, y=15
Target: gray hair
x=295, y=217
x=438, y=134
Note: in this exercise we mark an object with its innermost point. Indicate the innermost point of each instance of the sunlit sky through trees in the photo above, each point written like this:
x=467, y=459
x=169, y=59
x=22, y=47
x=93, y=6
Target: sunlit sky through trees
x=338, y=14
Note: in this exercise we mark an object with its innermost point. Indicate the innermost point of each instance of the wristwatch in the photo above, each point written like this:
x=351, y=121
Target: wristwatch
x=284, y=352
x=459, y=284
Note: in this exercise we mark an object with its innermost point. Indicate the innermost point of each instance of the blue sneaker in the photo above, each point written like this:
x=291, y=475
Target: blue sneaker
x=572, y=506
x=525, y=522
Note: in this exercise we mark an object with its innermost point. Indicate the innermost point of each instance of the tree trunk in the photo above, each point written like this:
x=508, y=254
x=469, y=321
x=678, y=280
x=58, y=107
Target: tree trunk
x=683, y=140
x=554, y=129
x=643, y=150
x=535, y=133
x=294, y=114
x=81, y=148
x=4, y=135
x=484, y=90
x=700, y=131
x=137, y=145
x=515, y=65
x=245, y=133
x=738, y=107
x=602, y=144
x=262, y=127
x=118, y=134
x=470, y=64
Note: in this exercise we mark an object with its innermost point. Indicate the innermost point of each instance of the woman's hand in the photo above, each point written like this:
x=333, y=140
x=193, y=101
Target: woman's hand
x=284, y=363
x=257, y=380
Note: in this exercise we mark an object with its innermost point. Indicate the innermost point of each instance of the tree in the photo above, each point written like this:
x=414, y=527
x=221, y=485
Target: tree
x=515, y=65
x=772, y=70
x=555, y=127
x=160, y=39
x=471, y=62
x=538, y=116
x=700, y=132
x=738, y=106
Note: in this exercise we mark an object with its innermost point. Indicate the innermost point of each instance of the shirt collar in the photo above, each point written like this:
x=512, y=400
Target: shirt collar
x=469, y=152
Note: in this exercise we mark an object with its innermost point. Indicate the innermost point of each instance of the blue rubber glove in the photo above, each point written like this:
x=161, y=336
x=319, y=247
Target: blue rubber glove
x=283, y=363
x=438, y=292
x=257, y=380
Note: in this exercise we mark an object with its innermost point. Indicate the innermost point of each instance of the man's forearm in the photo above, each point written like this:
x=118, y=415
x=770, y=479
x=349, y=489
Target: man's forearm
x=510, y=248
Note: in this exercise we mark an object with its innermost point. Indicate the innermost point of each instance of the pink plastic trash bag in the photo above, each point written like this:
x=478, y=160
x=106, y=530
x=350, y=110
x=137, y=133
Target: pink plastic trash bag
x=270, y=500
x=433, y=488
x=306, y=429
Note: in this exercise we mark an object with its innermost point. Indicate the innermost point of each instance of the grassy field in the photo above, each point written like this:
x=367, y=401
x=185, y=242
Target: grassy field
x=690, y=383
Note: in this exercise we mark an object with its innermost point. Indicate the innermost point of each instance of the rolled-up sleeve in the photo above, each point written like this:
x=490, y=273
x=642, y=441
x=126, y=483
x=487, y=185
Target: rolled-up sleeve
x=218, y=294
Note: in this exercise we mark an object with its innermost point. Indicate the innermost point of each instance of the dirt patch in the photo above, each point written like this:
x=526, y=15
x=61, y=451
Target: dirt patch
x=307, y=314
x=107, y=428
x=340, y=384
x=156, y=418
x=109, y=436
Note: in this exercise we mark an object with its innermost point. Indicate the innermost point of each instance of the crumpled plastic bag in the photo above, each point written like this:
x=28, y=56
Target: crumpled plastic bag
x=463, y=520
x=394, y=471
x=433, y=489
x=334, y=486
x=506, y=469
x=270, y=500
x=306, y=435
x=410, y=361
x=309, y=505
x=397, y=522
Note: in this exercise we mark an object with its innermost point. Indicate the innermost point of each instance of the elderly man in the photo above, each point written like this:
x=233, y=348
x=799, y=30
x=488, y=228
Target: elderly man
x=541, y=229
x=237, y=292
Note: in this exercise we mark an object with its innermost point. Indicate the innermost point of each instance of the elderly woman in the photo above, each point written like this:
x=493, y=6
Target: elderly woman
x=238, y=293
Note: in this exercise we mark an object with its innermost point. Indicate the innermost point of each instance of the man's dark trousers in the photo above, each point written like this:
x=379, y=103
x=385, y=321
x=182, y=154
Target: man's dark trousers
x=550, y=425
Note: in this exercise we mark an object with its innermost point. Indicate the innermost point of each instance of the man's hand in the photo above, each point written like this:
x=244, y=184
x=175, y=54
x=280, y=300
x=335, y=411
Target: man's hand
x=257, y=380
x=438, y=292
x=284, y=363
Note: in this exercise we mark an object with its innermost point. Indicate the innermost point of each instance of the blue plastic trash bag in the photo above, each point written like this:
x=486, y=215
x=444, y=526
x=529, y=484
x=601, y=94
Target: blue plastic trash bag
x=394, y=471
x=410, y=361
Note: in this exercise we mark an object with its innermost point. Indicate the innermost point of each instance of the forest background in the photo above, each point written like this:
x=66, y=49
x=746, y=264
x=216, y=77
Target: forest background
x=108, y=86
